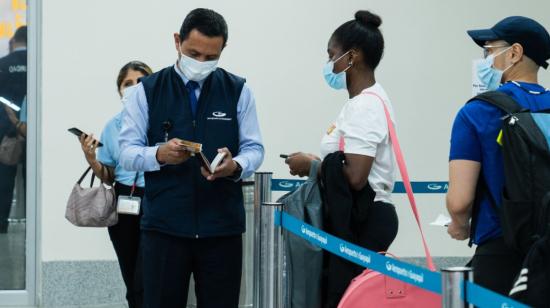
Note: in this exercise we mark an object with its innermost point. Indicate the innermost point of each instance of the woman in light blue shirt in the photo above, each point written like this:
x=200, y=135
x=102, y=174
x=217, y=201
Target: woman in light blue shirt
x=125, y=235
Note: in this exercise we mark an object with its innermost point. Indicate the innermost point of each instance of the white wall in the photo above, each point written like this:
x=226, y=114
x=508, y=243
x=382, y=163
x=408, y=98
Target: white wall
x=280, y=47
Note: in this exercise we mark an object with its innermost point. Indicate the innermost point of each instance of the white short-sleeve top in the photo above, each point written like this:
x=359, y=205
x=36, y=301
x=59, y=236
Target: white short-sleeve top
x=363, y=126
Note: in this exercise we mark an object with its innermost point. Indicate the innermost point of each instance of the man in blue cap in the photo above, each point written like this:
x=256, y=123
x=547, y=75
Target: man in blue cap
x=514, y=50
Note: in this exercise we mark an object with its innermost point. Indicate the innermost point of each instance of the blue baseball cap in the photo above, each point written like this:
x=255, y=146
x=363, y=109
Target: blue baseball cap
x=531, y=35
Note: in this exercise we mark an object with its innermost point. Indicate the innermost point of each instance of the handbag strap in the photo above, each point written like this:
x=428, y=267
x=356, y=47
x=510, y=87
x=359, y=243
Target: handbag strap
x=103, y=168
x=84, y=175
x=405, y=177
x=100, y=177
x=341, y=144
x=93, y=178
x=109, y=174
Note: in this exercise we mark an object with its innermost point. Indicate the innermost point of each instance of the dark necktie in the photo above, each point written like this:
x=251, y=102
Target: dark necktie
x=191, y=87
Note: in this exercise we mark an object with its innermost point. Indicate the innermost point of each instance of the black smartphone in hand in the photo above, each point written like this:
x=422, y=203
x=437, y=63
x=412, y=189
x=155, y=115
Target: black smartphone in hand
x=77, y=132
x=284, y=156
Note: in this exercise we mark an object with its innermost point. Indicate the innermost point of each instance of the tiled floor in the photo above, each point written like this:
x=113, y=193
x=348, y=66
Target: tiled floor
x=103, y=306
x=12, y=258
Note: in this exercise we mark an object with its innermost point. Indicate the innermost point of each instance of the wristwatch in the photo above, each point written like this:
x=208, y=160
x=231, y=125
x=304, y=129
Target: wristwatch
x=238, y=171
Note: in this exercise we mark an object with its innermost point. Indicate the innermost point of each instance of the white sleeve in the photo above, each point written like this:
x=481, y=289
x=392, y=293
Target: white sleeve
x=364, y=126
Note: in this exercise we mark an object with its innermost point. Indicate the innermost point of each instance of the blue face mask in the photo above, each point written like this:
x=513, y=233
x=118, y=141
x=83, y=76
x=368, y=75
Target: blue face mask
x=487, y=74
x=335, y=80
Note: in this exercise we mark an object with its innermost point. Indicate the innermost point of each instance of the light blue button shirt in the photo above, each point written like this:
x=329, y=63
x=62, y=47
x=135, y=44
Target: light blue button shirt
x=136, y=154
x=109, y=153
x=23, y=112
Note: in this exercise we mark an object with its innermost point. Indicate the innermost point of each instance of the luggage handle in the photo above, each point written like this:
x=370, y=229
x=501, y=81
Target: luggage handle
x=405, y=177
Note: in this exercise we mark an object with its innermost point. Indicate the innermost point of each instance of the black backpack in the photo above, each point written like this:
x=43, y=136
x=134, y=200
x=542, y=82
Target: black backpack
x=532, y=285
x=526, y=152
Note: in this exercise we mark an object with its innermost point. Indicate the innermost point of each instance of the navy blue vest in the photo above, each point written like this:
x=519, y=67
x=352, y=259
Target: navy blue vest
x=178, y=199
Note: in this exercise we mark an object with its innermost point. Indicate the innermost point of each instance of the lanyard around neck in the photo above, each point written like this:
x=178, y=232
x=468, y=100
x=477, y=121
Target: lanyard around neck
x=134, y=185
x=527, y=90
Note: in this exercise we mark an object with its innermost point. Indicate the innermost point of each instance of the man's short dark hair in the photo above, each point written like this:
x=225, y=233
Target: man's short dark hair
x=207, y=22
x=20, y=35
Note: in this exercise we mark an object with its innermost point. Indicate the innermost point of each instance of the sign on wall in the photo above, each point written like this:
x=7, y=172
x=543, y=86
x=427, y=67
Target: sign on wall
x=13, y=14
x=477, y=86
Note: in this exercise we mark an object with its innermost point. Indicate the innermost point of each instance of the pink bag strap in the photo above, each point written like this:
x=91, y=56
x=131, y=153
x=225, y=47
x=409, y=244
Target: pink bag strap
x=405, y=176
x=341, y=144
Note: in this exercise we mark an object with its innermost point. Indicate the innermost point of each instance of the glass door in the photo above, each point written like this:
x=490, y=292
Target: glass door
x=18, y=148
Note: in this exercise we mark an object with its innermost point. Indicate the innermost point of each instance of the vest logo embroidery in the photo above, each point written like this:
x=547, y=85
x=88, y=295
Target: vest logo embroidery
x=219, y=116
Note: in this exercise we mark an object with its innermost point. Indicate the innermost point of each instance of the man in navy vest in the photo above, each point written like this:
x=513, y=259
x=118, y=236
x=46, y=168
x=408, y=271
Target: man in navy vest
x=13, y=87
x=193, y=220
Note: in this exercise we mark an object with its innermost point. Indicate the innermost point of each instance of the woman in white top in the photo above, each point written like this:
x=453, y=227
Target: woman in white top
x=361, y=130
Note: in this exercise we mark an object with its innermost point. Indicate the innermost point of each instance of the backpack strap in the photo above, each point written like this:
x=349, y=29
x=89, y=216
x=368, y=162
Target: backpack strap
x=500, y=100
x=507, y=104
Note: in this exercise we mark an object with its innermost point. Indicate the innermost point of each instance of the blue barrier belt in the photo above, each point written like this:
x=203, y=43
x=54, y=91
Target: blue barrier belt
x=400, y=270
x=482, y=297
x=399, y=188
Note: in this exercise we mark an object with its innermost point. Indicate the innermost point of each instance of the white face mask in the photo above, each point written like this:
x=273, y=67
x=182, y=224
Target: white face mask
x=126, y=92
x=196, y=70
x=490, y=76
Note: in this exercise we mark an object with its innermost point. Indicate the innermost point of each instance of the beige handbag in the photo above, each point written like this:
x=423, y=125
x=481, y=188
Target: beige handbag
x=93, y=206
x=11, y=150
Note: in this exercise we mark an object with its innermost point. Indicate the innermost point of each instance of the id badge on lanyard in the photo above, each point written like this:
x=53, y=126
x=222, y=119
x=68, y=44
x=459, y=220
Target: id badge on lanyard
x=129, y=204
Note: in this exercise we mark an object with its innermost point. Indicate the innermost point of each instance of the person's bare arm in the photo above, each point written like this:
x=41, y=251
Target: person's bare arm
x=357, y=170
x=22, y=129
x=89, y=146
x=463, y=177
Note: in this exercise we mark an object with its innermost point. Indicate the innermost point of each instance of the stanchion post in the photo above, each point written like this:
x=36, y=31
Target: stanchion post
x=262, y=194
x=271, y=269
x=453, y=285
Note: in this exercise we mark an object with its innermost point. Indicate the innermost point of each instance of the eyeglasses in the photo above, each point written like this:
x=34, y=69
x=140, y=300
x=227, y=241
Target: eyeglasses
x=487, y=52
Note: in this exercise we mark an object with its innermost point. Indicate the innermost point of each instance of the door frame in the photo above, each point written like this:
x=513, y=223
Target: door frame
x=29, y=296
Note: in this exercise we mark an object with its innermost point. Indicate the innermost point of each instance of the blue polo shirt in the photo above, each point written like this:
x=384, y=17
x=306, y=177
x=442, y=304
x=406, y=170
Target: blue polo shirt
x=109, y=153
x=474, y=136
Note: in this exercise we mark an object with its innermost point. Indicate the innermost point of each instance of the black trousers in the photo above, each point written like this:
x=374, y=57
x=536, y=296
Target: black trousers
x=7, y=182
x=169, y=261
x=125, y=236
x=496, y=266
x=375, y=234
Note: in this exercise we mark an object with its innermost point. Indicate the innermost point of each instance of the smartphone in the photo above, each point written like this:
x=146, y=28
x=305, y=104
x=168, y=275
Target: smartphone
x=283, y=156
x=77, y=132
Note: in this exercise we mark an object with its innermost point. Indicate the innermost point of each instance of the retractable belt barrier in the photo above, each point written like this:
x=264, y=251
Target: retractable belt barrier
x=399, y=188
x=394, y=268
